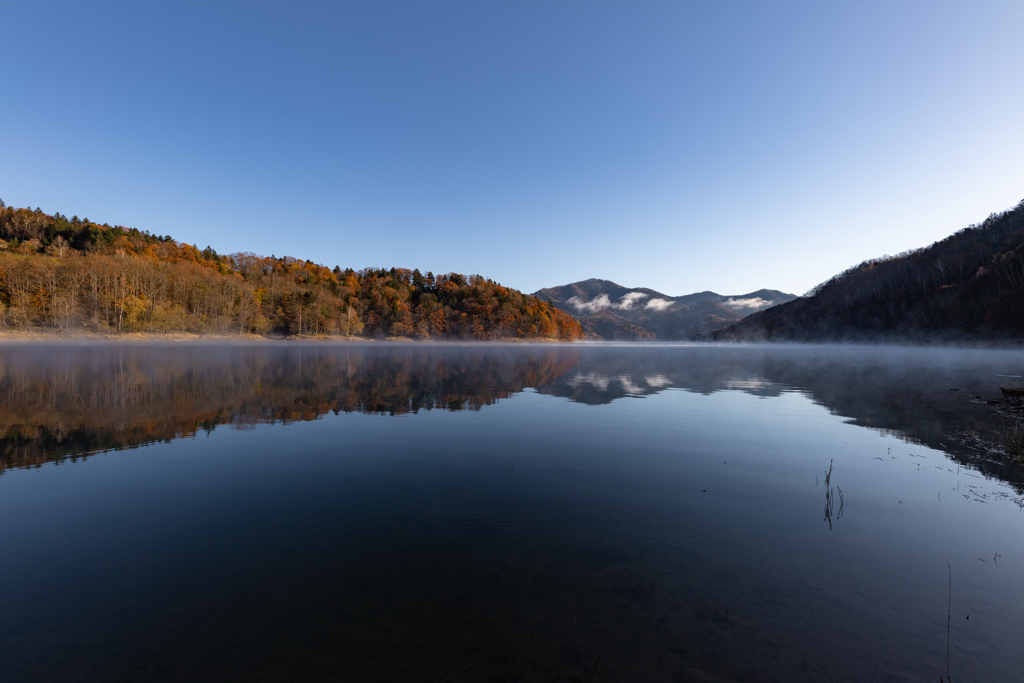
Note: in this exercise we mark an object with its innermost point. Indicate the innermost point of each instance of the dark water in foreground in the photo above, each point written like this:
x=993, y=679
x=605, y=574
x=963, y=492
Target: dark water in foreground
x=417, y=513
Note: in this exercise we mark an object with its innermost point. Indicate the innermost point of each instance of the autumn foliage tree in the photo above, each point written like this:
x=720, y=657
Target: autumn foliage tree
x=67, y=274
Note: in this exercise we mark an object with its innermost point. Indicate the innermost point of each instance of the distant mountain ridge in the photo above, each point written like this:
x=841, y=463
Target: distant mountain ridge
x=607, y=310
x=969, y=286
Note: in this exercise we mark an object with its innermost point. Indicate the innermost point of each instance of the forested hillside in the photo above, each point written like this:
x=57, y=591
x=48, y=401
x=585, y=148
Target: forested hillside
x=969, y=286
x=74, y=274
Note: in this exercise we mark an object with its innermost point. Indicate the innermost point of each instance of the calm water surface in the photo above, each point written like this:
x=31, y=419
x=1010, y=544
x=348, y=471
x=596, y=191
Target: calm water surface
x=506, y=513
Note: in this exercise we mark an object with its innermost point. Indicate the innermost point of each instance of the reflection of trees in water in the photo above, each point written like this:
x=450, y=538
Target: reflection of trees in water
x=920, y=395
x=63, y=403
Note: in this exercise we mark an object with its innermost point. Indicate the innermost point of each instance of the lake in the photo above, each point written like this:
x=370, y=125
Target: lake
x=417, y=512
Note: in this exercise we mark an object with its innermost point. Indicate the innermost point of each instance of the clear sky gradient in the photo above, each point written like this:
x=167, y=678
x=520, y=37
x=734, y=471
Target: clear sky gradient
x=681, y=146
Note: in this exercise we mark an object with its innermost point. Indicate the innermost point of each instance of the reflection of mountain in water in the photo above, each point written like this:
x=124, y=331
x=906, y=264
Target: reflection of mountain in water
x=64, y=402
x=922, y=395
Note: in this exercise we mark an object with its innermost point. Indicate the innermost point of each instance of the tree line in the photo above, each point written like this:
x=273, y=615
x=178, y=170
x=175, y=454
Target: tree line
x=73, y=274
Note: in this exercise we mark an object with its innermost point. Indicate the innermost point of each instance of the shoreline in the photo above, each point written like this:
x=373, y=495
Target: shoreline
x=10, y=337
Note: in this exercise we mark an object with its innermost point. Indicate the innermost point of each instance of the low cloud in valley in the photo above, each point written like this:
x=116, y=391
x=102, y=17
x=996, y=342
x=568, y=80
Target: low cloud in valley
x=658, y=304
x=602, y=302
x=753, y=303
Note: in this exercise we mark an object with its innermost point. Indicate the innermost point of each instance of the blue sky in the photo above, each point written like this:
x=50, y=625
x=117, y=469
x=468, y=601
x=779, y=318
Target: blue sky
x=681, y=146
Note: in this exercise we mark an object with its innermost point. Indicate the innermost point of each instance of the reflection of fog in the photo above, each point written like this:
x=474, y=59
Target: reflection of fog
x=594, y=379
x=63, y=401
x=899, y=391
x=602, y=382
x=747, y=384
x=628, y=385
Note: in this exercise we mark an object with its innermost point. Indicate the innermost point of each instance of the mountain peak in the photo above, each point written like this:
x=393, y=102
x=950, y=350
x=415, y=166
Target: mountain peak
x=609, y=310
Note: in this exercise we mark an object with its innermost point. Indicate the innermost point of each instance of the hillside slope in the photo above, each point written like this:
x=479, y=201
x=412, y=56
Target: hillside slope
x=73, y=274
x=610, y=311
x=969, y=286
